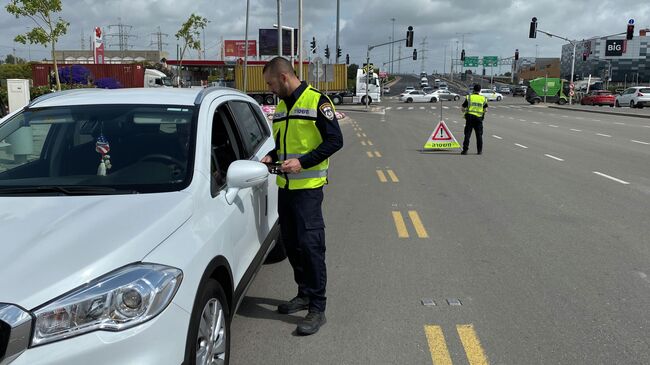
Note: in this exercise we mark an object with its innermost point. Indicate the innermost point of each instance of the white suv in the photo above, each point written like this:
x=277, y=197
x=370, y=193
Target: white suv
x=132, y=223
x=634, y=97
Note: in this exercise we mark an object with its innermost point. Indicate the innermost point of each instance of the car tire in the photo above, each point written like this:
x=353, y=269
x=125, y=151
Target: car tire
x=456, y=98
x=433, y=100
x=211, y=297
x=616, y=104
x=561, y=101
x=498, y=98
x=409, y=100
x=535, y=101
x=363, y=100
x=278, y=252
x=269, y=99
x=632, y=106
x=336, y=99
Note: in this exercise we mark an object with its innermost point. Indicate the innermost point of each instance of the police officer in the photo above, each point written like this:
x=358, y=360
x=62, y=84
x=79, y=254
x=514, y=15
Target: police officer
x=475, y=106
x=306, y=133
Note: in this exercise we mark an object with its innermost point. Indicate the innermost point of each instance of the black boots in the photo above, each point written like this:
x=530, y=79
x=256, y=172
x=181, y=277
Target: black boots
x=311, y=323
x=294, y=305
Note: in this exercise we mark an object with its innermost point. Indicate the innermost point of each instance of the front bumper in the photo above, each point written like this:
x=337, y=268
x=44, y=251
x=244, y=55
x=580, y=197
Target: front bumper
x=159, y=341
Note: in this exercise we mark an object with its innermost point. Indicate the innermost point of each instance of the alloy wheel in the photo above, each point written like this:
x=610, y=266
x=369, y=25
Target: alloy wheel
x=211, y=342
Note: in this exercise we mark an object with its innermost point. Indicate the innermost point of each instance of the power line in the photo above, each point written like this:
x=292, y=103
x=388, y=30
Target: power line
x=159, y=41
x=423, y=51
x=122, y=35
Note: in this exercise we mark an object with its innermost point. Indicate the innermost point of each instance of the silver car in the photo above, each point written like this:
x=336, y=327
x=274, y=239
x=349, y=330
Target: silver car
x=445, y=95
x=417, y=96
x=634, y=97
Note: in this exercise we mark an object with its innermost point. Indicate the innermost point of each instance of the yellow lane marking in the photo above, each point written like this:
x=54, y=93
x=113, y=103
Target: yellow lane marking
x=363, y=134
x=369, y=154
x=381, y=176
x=370, y=143
x=363, y=143
x=437, y=345
x=377, y=154
x=417, y=223
x=359, y=135
x=473, y=349
x=400, y=225
x=392, y=175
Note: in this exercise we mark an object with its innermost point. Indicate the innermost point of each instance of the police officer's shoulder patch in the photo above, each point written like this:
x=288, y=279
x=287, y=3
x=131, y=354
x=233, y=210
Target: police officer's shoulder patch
x=327, y=110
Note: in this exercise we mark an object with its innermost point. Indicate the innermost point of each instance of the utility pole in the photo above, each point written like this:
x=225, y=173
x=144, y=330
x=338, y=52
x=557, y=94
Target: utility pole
x=159, y=41
x=122, y=35
x=300, y=48
x=279, y=28
x=338, y=12
x=399, y=59
x=392, y=48
x=83, y=41
x=423, y=52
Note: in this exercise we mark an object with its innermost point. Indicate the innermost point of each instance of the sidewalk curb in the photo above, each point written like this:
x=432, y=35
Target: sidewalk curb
x=599, y=112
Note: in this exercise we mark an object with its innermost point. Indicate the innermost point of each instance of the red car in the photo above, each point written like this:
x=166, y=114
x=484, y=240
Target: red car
x=599, y=97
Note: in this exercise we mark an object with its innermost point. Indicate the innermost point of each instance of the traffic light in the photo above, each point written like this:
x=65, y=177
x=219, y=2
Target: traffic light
x=584, y=56
x=338, y=53
x=630, y=32
x=462, y=55
x=313, y=45
x=347, y=59
x=516, y=55
x=327, y=51
x=415, y=54
x=533, y=29
x=409, y=37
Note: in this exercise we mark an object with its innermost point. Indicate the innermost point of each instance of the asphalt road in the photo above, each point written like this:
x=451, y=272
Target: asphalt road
x=542, y=240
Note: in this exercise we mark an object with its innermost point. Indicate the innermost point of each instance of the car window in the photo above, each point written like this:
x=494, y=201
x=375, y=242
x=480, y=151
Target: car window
x=644, y=90
x=225, y=147
x=250, y=127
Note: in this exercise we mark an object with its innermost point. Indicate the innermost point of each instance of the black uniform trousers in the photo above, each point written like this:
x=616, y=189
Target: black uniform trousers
x=475, y=123
x=303, y=234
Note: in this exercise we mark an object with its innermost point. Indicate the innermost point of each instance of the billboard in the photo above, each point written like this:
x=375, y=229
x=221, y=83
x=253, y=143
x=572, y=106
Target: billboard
x=614, y=47
x=269, y=42
x=235, y=48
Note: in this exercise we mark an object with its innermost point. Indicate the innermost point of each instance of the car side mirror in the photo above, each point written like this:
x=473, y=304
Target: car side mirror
x=244, y=174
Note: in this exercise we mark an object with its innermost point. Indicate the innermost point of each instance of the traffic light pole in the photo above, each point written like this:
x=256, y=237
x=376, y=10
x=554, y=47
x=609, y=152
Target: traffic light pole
x=370, y=48
x=573, y=59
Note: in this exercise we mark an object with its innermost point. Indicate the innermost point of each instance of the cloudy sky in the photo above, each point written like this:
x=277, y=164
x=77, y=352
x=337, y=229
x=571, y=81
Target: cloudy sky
x=490, y=28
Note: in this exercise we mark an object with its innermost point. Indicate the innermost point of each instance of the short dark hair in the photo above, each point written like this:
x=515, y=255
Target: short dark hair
x=278, y=65
x=476, y=87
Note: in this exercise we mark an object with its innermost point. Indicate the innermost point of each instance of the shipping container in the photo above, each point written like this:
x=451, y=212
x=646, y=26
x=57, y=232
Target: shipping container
x=118, y=75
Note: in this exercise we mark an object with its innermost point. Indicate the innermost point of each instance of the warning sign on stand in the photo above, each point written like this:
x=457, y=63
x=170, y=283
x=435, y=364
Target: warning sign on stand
x=441, y=139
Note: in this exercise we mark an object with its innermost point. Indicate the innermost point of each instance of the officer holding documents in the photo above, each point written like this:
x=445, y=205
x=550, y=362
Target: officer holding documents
x=474, y=107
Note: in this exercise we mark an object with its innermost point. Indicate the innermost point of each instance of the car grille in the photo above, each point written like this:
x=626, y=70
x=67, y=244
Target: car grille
x=15, y=329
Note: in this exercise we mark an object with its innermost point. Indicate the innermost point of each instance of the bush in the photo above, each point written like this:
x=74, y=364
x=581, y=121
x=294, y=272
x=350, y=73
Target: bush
x=75, y=74
x=108, y=83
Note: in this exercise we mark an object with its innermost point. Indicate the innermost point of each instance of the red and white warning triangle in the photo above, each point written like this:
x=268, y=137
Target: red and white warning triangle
x=441, y=138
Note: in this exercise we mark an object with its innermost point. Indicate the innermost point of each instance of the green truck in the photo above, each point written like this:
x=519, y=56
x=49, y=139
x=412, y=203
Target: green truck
x=555, y=91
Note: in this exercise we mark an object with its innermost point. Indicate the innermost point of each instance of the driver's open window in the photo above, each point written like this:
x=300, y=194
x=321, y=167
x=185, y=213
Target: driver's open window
x=224, y=148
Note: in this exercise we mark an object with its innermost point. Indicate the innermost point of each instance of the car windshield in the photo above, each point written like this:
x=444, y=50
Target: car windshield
x=99, y=148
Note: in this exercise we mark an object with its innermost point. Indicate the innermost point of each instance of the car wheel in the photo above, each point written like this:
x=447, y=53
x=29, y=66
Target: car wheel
x=456, y=98
x=269, y=99
x=561, y=101
x=433, y=100
x=498, y=98
x=363, y=100
x=336, y=99
x=616, y=104
x=536, y=101
x=632, y=104
x=409, y=100
x=208, y=340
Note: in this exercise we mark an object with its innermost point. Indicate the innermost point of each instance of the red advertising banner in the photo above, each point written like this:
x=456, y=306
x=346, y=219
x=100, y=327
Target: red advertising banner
x=98, y=46
x=236, y=48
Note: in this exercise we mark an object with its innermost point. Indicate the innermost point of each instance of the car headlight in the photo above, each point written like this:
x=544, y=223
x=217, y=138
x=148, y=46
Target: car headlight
x=116, y=301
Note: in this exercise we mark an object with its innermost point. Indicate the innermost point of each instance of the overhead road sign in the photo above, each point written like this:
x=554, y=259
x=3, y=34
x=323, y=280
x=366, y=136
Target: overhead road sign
x=490, y=61
x=470, y=61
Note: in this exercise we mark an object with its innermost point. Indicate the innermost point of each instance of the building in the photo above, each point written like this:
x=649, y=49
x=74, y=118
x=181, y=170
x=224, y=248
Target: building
x=82, y=56
x=623, y=61
x=541, y=67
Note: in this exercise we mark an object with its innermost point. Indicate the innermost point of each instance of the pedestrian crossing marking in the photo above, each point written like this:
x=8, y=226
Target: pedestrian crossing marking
x=410, y=108
x=434, y=108
x=389, y=108
x=421, y=108
x=400, y=108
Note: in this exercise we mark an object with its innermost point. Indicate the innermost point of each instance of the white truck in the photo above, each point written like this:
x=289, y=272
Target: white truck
x=155, y=78
x=369, y=82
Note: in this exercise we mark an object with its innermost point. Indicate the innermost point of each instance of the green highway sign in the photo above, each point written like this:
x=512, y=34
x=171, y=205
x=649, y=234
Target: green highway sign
x=490, y=61
x=471, y=61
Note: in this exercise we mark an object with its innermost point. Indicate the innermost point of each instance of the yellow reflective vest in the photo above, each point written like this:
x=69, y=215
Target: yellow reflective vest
x=296, y=133
x=475, y=104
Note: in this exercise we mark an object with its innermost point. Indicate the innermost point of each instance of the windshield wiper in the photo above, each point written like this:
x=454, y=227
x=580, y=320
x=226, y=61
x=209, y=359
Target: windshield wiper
x=66, y=190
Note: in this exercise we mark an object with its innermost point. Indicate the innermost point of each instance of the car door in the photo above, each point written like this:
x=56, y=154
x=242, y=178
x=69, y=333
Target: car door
x=626, y=97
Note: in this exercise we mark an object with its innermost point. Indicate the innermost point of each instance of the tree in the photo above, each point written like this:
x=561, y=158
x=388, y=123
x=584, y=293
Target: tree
x=352, y=71
x=190, y=35
x=49, y=28
x=11, y=59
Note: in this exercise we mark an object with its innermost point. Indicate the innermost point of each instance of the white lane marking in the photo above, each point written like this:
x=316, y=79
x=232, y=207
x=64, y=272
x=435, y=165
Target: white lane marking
x=565, y=116
x=421, y=108
x=389, y=108
x=603, y=135
x=497, y=137
x=580, y=118
x=520, y=145
x=511, y=118
x=597, y=120
x=619, y=123
x=646, y=126
x=553, y=126
x=553, y=157
x=400, y=107
x=576, y=130
x=535, y=122
x=445, y=107
x=410, y=108
x=455, y=121
x=433, y=107
x=641, y=142
x=612, y=178
x=456, y=107
x=522, y=120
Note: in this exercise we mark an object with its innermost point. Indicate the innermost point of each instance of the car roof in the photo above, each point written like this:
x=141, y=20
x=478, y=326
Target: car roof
x=157, y=96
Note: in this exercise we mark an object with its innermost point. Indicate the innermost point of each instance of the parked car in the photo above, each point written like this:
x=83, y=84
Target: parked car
x=599, y=97
x=417, y=96
x=505, y=90
x=409, y=88
x=133, y=221
x=491, y=94
x=445, y=95
x=634, y=97
x=519, y=91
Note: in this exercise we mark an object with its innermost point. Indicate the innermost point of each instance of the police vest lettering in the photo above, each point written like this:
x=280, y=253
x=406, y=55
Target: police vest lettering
x=297, y=135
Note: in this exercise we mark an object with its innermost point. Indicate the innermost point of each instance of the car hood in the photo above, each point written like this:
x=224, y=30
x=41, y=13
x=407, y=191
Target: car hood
x=51, y=245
